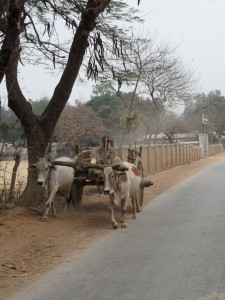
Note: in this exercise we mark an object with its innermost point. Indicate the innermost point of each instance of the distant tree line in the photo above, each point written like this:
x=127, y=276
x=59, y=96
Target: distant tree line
x=212, y=105
x=84, y=124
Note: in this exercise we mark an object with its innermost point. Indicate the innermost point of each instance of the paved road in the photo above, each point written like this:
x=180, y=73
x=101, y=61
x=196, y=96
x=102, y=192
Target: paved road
x=174, y=250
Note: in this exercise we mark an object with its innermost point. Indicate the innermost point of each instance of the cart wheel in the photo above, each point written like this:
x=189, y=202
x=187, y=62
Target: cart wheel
x=77, y=193
x=140, y=198
x=138, y=165
x=100, y=187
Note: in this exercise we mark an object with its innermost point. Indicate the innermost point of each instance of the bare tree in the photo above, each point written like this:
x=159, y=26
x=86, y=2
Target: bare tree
x=166, y=80
x=155, y=71
x=130, y=74
x=79, y=125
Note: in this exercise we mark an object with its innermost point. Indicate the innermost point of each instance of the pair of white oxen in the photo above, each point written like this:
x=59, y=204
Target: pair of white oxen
x=122, y=181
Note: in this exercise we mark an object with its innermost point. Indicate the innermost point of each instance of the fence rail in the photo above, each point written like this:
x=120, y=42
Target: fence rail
x=156, y=158
x=215, y=149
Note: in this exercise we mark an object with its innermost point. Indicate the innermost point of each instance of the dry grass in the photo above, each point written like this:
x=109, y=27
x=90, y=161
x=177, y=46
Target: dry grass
x=6, y=168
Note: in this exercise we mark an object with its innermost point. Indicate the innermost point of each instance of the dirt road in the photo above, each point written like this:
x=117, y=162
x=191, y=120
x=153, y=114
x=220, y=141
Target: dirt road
x=30, y=247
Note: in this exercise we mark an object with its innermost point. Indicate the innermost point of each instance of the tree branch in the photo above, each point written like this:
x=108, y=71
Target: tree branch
x=77, y=51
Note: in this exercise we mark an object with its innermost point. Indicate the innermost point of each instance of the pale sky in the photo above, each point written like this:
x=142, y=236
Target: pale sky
x=197, y=26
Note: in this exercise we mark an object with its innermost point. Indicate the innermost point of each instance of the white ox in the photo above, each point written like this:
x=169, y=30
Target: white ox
x=54, y=179
x=122, y=181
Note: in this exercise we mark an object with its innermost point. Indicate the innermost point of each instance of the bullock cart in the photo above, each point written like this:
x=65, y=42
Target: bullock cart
x=87, y=172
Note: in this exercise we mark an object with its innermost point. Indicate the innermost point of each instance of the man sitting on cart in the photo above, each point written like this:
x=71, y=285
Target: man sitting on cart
x=105, y=154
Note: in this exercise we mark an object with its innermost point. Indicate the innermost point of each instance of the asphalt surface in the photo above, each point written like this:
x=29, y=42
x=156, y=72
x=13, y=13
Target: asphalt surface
x=174, y=250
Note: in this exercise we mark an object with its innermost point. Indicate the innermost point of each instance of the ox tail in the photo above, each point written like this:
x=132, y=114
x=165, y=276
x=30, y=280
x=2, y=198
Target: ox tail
x=71, y=198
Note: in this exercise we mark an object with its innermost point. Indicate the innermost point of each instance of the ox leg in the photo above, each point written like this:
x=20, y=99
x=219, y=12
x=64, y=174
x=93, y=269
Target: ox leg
x=50, y=203
x=133, y=208
x=69, y=199
x=111, y=211
x=124, y=204
x=67, y=205
x=123, y=213
x=53, y=209
x=45, y=217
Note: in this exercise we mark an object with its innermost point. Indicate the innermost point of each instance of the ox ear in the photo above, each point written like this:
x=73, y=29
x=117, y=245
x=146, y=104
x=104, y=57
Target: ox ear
x=53, y=167
x=120, y=168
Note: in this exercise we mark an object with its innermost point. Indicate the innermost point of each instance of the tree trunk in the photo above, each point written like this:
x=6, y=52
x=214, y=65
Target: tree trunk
x=37, y=143
x=33, y=195
x=39, y=129
x=17, y=158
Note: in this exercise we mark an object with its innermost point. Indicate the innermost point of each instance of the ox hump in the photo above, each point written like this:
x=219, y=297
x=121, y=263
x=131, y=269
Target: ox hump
x=117, y=161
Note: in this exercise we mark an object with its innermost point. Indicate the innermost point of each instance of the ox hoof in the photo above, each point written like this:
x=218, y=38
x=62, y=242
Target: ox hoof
x=124, y=225
x=44, y=219
x=115, y=225
x=133, y=217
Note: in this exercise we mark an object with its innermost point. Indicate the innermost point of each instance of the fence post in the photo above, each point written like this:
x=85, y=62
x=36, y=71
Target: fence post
x=156, y=158
x=149, y=158
x=163, y=157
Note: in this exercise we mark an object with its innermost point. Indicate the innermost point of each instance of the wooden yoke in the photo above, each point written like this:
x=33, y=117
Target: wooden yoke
x=133, y=154
x=79, y=164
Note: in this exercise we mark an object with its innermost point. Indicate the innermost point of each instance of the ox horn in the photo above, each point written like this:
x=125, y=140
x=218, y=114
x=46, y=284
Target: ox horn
x=95, y=166
x=46, y=150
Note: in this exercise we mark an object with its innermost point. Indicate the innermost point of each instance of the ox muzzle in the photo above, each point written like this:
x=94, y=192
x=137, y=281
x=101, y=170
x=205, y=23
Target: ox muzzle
x=41, y=183
x=108, y=191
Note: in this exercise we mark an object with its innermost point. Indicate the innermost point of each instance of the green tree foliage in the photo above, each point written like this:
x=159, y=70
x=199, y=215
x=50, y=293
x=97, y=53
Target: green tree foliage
x=107, y=106
x=10, y=121
x=10, y=127
x=148, y=119
x=114, y=110
x=212, y=105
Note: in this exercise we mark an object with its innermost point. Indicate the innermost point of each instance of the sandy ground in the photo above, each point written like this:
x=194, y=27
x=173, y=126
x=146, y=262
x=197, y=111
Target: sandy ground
x=29, y=247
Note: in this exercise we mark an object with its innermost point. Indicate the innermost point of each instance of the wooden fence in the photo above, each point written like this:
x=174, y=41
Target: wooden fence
x=156, y=158
x=215, y=149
